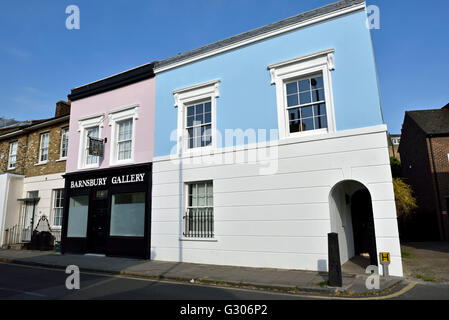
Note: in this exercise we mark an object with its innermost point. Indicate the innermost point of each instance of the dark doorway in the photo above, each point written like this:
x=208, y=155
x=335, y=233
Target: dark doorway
x=363, y=225
x=98, y=215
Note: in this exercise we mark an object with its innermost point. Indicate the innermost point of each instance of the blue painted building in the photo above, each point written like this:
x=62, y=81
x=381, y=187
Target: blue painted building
x=267, y=141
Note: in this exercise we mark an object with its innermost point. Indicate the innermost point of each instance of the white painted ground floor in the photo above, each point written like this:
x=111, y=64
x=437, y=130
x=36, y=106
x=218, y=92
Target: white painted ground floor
x=273, y=206
x=23, y=201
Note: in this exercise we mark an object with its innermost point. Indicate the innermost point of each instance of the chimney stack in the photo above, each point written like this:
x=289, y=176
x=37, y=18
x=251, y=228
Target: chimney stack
x=62, y=108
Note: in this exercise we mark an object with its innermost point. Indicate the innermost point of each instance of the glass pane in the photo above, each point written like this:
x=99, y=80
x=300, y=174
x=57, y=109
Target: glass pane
x=207, y=130
x=198, y=119
x=128, y=214
x=190, y=133
x=208, y=118
x=124, y=150
x=294, y=126
x=199, y=108
x=125, y=130
x=293, y=114
x=292, y=100
x=318, y=95
x=210, y=195
x=321, y=122
x=207, y=107
x=190, y=121
x=317, y=83
x=190, y=111
x=77, y=224
x=201, y=190
x=319, y=109
x=307, y=124
x=292, y=87
x=304, y=85
x=305, y=97
x=194, y=195
x=207, y=140
x=306, y=112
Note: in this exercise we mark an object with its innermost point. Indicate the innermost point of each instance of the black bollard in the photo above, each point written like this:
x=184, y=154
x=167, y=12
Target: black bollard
x=335, y=278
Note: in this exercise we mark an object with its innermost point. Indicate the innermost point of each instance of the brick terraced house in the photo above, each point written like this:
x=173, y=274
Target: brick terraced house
x=32, y=160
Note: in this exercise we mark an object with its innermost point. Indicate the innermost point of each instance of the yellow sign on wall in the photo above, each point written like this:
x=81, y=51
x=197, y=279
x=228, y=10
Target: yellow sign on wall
x=384, y=257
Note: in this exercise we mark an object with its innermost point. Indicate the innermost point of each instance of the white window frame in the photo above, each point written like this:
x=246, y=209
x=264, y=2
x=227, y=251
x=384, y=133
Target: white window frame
x=116, y=116
x=53, y=208
x=40, y=147
x=64, y=132
x=10, y=155
x=198, y=93
x=321, y=62
x=83, y=125
x=186, y=207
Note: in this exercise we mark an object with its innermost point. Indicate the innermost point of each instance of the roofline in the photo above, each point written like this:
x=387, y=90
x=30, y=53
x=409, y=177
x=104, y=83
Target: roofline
x=32, y=127
x=426, y=134
x=115, y=81
x=329, y=11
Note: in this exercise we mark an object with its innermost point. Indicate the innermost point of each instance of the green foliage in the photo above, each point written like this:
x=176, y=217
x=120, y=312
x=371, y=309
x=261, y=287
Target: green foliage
x=395, y=167
x=403, y=194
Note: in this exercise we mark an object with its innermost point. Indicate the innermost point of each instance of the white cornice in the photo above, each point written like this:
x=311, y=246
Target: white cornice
x=301, y=58
x=266, y=35
x=326, y=57
x=196, y=86
x=200, y=89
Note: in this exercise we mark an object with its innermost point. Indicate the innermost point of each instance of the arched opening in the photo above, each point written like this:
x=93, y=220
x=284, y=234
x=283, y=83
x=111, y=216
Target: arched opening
x=352, y=218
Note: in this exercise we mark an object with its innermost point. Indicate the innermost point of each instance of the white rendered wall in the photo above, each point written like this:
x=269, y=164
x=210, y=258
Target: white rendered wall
x=45, y=185
x=11, y=188
x=278, y=220
x=3, y=195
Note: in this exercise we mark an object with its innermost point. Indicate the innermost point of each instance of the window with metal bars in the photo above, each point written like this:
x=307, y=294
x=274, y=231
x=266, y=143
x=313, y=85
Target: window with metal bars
x=199, y=215
x=58, y=204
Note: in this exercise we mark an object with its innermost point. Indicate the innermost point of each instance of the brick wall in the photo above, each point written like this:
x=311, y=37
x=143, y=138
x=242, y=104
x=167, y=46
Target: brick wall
x=28, y=152
x=417, y=172
x=21, y=152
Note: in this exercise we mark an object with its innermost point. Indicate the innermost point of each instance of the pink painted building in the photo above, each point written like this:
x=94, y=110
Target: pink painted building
x=109, y=162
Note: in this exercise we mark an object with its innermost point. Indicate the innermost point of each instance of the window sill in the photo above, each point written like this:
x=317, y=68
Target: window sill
x=11, y=169
x=199, y=239
x=121, y=163
x=61, y=159
x=89, y=167
x=41, y=163
x=199, y=151
x=58, y=228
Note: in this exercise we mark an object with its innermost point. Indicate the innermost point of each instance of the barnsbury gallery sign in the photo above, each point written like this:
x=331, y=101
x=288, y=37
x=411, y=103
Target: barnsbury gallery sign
x=127, y=178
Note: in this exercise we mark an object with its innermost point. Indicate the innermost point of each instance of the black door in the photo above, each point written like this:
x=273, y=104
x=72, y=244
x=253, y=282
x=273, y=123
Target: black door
x=98, y=214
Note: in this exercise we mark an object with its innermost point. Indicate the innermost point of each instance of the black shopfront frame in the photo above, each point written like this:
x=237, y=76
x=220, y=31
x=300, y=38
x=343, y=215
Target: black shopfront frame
x=121, y=246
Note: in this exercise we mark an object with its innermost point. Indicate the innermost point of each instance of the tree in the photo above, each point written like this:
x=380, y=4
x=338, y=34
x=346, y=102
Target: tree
x=395, y=167
x=403, y=194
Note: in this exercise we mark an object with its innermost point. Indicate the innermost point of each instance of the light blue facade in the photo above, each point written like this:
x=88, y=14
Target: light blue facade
x=247, y=98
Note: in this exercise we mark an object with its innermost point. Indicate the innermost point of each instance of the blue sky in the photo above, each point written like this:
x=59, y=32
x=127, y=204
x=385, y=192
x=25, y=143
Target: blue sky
x=40, y=60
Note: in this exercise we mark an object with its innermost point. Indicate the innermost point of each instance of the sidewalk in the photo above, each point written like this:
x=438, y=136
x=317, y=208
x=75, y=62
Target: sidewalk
x=261, y=278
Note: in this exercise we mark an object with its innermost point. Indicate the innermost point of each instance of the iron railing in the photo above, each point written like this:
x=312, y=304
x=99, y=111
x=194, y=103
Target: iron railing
x=199, y=223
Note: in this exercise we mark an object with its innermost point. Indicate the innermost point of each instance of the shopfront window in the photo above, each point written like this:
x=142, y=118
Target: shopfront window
x=77, y=224
x=128, y=214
